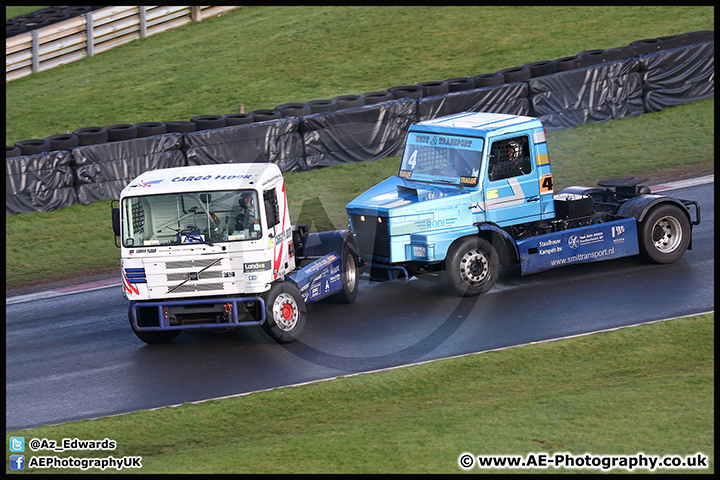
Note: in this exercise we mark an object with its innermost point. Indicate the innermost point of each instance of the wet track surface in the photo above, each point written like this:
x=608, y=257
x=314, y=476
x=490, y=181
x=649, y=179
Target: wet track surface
x=74, y=356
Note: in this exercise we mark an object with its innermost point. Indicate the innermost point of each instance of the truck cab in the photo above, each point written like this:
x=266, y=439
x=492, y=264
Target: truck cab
x=208, y=231
x=456, y=172
x=212, y=247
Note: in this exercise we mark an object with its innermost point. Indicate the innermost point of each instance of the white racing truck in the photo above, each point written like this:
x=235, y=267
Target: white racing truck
x=212, y=247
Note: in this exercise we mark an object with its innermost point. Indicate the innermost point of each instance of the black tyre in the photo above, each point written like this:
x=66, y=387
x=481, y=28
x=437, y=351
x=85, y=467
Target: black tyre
x=148, y=129
x=349, y=101
x=208, y=122
x=488, y=79
x=471, y=266
x=350, y=284
x=63, y=141
x=566, y=63
x=542, y=68
x=433, y=88
x=91, y=135
x=319, y=106
x=12, y=151
x=31, y=147
x=460, y=84
x=371, y=98
x=124, y=131
x=516, y=74
x=180, y=127
x=664, y=234
x=151, y=338
x=294, y=109
x=285, y=312
x=238, y=119
x=406, y=91
x=647, y=45
x=263, y=115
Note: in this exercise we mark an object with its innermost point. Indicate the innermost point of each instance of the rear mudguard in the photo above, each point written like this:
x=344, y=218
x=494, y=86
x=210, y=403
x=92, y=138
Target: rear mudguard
x=639, y=206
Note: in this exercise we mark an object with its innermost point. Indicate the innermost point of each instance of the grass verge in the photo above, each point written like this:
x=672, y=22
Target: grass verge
x=645, y=389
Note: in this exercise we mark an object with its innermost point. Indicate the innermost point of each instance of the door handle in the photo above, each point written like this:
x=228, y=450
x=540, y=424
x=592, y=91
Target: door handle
x=533, y=199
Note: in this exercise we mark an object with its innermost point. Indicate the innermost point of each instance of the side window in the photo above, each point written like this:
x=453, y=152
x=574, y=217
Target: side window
x=509, y=158
x=271, y=207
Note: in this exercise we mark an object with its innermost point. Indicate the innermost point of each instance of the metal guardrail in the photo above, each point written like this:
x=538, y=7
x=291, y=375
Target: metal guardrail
x=93, y=33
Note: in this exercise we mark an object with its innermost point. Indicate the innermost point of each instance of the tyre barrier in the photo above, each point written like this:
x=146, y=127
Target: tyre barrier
x=542, y=68
x=12, y=151
x=371, y=98
x=42, y=18
x=264, y=115
x=238, y=119
x=294, y=109
x=148, y=129
x=180, y=126
x=33, y=146
x=319, y=106
x=564, y=64
x=516, y=74
x=124, y=131
x=406, y=91
x=460, y=84
x=207, y=122
x=349, y=101
x=488, y=79
x=63, y=141
x=431, y=89
x=91, y=135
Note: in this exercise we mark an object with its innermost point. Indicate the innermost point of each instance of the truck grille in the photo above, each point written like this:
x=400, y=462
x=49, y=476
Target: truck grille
x=197, y=287
x=372, y=235
x=189, y=264
x=179, y=277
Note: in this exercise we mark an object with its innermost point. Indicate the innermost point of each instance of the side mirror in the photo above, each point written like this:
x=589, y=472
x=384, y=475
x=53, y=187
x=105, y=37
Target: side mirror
x=115, y=220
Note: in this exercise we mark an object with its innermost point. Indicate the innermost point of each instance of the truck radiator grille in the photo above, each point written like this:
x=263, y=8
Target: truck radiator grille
x=188, y=264
x=372, y=235
x=197, y=287
x=207, y=274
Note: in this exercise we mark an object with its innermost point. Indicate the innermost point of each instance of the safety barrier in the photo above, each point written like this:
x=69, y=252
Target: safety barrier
x=588, y=87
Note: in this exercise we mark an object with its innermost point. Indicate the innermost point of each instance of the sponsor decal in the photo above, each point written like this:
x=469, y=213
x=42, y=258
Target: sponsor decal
x=143, y=183
x=210, y=177
x=444, y=141
x=256, y=267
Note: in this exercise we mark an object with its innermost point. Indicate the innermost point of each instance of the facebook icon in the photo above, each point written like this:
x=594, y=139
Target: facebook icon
x=17, y=462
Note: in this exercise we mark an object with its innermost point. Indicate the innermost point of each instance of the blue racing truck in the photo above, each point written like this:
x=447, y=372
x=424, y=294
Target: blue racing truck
x=475, y=192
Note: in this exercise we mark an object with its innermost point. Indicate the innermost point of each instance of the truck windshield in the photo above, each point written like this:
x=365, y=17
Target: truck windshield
x=449, y=159
x=190, y=217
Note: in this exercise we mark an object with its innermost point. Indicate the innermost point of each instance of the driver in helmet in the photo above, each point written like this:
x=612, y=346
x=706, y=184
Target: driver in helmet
x=246, y=214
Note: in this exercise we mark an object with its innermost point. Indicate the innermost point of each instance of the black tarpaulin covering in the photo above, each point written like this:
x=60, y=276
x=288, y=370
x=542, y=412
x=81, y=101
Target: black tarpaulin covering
x=509, y=98
x=674, y=77
x=39, y=183
x=359, y=134
x=103, y=170
x=588, y=95
x=273, y=141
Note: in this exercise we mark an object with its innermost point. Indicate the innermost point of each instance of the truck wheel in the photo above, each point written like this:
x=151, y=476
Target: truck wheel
x=471, y=266
x=151, y=338
x=349, y=291
x=285, y=312
x=664, y=234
